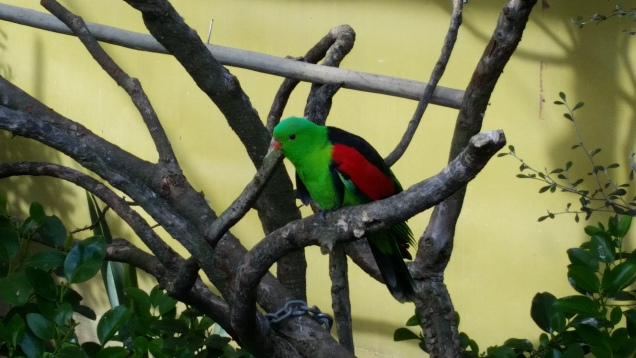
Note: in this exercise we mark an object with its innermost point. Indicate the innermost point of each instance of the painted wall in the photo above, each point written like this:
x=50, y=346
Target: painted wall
x=502, y=255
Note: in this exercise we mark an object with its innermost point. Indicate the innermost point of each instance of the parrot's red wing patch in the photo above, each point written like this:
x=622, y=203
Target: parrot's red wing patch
x=368, y=178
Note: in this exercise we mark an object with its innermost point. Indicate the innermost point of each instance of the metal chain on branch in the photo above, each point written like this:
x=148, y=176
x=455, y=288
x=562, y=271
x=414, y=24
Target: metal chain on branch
x=294, y=308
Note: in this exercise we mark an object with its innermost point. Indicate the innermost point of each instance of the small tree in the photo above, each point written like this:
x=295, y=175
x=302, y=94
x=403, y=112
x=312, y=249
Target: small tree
x=241, y=276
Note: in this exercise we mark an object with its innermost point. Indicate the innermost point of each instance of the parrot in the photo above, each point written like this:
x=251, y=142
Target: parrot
x=336, y=168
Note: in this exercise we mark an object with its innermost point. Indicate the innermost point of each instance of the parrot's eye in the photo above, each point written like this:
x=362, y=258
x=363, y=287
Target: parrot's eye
x=292, y=136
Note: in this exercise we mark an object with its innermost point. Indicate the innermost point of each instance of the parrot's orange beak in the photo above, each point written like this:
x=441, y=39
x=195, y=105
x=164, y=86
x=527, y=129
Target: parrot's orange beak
x=273, y=146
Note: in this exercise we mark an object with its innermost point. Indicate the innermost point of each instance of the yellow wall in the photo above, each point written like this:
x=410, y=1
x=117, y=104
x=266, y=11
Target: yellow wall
x=502, y=255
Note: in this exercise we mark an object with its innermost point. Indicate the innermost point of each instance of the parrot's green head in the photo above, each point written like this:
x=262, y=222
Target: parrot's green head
x=298, y=138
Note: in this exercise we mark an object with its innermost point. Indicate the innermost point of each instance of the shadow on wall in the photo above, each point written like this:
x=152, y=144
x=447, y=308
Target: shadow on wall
x=597, y=57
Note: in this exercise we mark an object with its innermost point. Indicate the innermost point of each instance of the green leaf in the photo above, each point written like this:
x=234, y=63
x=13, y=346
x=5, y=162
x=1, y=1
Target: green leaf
x=582, y=257
x=519, y=344
x=582, y=305
x=404, y=334
x=619, y=277
x=623, y=226
x=501, y=352
x=9, y=240
x=545, y=315
x=568, y=116
x=170, y=326
x=42, y=282
x=110, y=322
x=31, y=345
x=630, y=318
x=36, y=211
x=162, y=301
x=64, y=314
x=155, y=347
x=562, y=95
x=91, y=348
x=602, y=247
x=139, y=297
x=16, y=327
x=85, y=311
x=578, y=105
x=590, y=335
x=591, y=230
x=52, y=231
x=595, y=152
x=46, y=307
x=71, y=352
x=414, y=320
x=616, y=314
x=85, y=259
x=113, y=352
x=47, y=260
x=15, y=289
x=141, y=345
x=544, y=189
x=40, y=326
x=618, y=192
x=558, y=102
x=511, y=148
x=585, y=278
x=574, y=350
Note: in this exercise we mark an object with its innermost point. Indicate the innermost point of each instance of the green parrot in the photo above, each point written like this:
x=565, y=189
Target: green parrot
x=336, y=168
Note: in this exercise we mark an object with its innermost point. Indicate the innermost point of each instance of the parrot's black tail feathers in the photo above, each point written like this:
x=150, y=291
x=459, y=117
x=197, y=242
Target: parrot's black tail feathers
x=393, y=269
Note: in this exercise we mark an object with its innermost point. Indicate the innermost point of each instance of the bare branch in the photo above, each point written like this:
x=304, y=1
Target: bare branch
x=130, y=85
x=435, y=246
x=255, y=61
x=438, y=71
x=320, y=96
x=244, y=202
x=350, y=223
x=165, y=254
x=315, y=54
x=340, y=301
x=93, y=225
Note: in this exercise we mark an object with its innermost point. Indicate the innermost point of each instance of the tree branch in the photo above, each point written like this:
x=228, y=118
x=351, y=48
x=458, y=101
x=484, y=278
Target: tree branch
x=130, y=85
x=244, y=202
x=117, y=204
x=435, y=246
x=438, y=71
x=361, y=81
x=340, y=301
x=350, y=223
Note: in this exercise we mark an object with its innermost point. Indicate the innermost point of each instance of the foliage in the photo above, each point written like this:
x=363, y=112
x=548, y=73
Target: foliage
x=600, y=319
x=618, y=12
x=609, y=196
x=40, y=322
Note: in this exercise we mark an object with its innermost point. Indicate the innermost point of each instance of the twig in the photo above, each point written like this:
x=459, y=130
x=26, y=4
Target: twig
x=321, y=95
x=130, y=85
x=340, y=296
x=438, y=71
x=93, y=225
x=244, y=202
x=361, y=81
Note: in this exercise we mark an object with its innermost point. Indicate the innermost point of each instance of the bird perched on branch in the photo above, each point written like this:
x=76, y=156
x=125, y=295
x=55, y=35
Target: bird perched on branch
x=336, y=168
